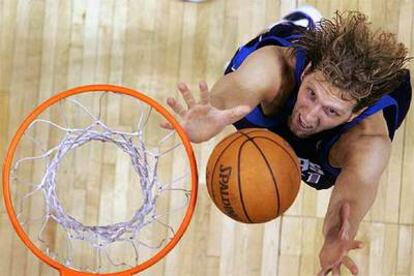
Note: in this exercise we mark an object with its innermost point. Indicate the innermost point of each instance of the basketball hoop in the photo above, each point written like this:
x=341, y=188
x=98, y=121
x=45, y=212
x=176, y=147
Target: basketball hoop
x=36, y=171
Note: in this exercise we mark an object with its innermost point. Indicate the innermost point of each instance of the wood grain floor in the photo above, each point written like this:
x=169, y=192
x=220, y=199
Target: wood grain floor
x=47, y=46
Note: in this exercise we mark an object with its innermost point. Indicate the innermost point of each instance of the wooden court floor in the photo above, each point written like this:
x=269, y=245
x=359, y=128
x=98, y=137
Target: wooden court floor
x=47, y=46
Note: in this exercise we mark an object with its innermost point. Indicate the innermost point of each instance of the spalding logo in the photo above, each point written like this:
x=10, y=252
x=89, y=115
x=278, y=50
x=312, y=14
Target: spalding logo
x=224, y=178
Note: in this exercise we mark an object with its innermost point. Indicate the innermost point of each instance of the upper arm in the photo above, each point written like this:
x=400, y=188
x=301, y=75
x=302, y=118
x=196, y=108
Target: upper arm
x=363, y=166
x=368, y=157
x=259, y=78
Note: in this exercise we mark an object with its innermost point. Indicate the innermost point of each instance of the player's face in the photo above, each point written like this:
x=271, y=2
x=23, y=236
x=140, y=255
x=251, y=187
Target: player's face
x=319, y=107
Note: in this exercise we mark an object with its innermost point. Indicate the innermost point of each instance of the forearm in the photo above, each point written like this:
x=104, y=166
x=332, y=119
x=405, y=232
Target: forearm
x=231, y=91
x=360, y=198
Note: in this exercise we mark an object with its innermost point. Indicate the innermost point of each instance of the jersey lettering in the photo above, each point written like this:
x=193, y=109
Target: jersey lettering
x=311, y=172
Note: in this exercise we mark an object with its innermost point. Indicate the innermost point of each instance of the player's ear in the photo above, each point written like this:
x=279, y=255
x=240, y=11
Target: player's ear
x=306, y=71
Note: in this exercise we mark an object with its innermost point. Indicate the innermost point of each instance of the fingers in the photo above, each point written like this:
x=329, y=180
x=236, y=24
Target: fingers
x=350, y=265
x=187, y=95
x=236, y=113
x=177, y=107
x=356, y=245
x=324, y=272
x=336, y=271
x=204, y=95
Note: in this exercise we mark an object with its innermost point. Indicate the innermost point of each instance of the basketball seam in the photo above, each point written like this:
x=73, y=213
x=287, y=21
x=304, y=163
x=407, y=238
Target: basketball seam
x=239, y=181
x=283, y=145
x=222, y=152
x=271, y=172
x=286, y=147
x=285, y=150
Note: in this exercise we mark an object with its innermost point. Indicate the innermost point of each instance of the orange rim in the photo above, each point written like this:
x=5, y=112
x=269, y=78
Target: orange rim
x=98, y=88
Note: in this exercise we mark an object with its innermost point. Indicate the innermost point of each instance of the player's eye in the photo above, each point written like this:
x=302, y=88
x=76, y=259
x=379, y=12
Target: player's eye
x=331, y=112
x=311, y=94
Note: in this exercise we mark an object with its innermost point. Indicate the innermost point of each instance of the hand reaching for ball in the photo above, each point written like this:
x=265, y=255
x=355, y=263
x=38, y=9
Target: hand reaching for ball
x=200, y=120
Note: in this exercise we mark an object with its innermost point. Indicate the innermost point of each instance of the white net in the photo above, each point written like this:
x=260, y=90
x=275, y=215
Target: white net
x=98, y=185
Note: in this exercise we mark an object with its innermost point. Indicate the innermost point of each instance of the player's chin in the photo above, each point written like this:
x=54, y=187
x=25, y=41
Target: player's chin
x=303, y=133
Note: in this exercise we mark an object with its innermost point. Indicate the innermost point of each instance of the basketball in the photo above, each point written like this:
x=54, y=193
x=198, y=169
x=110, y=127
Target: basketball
x=253, y=175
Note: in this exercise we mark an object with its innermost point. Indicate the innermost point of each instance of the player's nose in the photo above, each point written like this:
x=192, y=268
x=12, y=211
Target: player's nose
x=310, y=116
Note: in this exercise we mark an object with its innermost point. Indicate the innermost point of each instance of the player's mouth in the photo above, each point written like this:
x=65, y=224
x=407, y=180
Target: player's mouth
x=302, y=124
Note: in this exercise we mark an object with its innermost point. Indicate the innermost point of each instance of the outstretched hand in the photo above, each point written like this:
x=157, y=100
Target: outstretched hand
x=334, y=252
x=201, y=120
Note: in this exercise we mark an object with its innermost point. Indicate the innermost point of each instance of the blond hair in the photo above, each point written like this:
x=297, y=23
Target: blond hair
x=363, y=63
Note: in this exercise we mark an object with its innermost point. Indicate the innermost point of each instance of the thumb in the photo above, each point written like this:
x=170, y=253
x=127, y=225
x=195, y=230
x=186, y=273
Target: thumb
x=236, y=113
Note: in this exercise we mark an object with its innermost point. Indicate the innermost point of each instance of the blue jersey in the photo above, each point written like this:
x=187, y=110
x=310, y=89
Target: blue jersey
x=313, y=151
